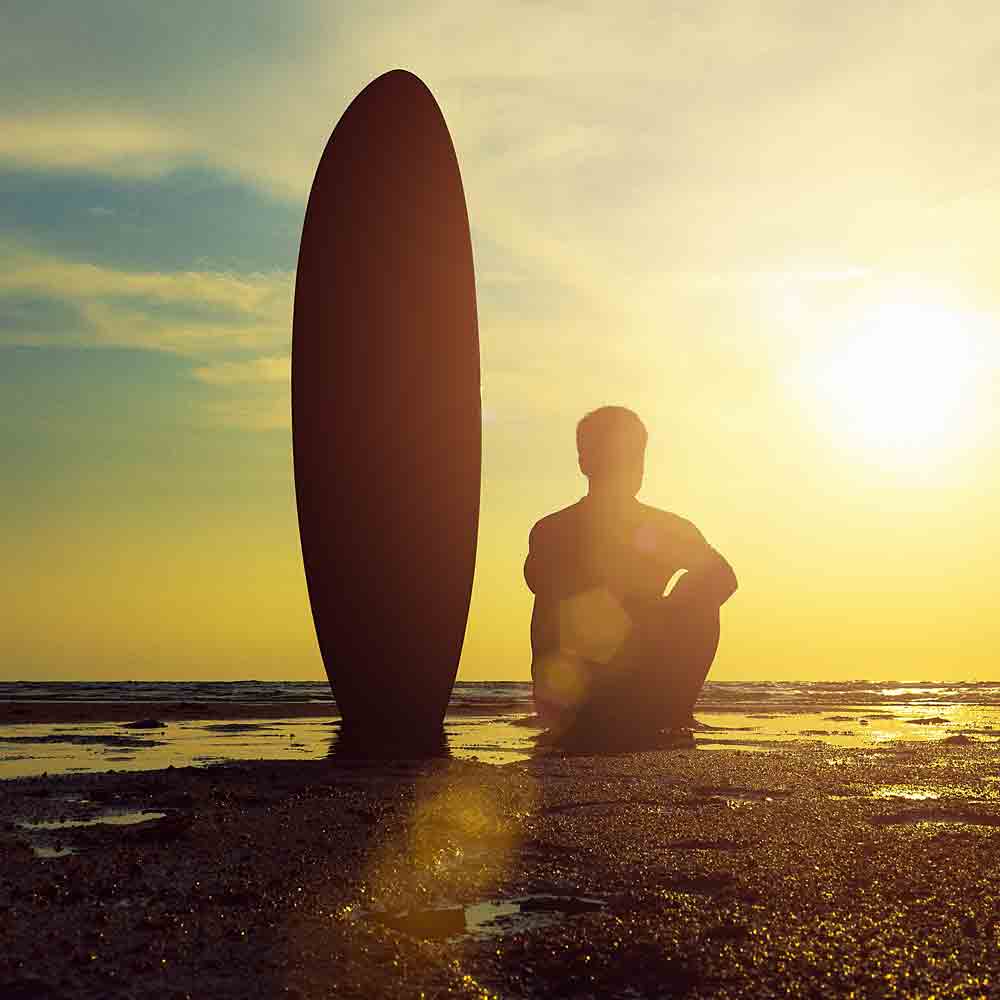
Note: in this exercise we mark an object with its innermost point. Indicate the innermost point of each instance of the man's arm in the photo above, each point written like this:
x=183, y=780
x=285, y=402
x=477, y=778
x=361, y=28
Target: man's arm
x=709, y=577
x=555, y=567
x=534, y=566
x=544, y=579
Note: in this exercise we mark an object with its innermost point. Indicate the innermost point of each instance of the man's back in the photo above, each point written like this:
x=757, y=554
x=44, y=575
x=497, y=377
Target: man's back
x=630, y=549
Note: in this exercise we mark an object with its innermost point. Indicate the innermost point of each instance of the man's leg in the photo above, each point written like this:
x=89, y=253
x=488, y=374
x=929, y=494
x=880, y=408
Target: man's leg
x=654, y=681
x=681, y=643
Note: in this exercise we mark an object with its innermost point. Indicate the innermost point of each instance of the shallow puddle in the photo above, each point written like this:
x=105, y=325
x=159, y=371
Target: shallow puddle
x=237, y=727
x=34, y=749
x=742, y=796
x=740, y=745
x=490, y=918
x=936, y=815
x=51, y=852
x=108, y=819
x=910, y=793
x=510, y=916
x=904, y=792
x=46, y=842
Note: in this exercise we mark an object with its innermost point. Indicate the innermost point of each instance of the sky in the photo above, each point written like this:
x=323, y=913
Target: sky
x=768, y=228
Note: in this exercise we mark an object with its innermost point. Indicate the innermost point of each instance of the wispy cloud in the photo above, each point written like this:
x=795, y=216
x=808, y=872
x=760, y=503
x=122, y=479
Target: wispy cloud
x=194, y=313
x=277, y=368
x=247, y=414
x=728, y=281
x=124, y=146
x=249, y=293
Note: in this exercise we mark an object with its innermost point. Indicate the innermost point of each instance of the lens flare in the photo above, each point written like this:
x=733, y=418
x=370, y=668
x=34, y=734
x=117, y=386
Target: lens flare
x=593, y=625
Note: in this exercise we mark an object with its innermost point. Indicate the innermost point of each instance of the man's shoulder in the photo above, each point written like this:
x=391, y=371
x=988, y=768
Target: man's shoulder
x=668, y=522
x=557, y=521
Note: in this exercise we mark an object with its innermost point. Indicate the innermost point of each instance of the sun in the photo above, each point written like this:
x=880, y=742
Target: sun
x=901, y=381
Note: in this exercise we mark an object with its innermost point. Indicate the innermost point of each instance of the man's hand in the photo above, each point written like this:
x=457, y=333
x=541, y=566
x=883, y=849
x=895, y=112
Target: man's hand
x=710, y=581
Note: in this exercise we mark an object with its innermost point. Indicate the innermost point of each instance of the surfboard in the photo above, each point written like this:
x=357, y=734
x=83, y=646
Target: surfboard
x=386, y=421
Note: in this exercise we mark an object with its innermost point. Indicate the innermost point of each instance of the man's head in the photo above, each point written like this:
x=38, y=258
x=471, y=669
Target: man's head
x=611, y=443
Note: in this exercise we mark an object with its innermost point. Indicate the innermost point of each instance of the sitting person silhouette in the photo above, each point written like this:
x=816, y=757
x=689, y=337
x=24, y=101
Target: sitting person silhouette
x=613, y=659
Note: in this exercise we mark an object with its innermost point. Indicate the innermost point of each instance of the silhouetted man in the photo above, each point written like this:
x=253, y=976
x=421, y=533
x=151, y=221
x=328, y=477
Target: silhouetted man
x=612, y=657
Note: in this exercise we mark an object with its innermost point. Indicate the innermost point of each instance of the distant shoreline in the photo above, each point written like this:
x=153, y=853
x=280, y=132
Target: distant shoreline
x=28, y=712
x=25, y=712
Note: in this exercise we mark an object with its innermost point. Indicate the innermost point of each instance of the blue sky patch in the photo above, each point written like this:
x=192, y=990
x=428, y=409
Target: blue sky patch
x=28, y=315
x=190, y=219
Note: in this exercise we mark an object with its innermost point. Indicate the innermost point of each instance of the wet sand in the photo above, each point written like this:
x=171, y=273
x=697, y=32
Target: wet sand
x=806, y=870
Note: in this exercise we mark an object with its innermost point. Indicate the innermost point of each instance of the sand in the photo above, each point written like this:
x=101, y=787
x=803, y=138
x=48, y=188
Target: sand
x=805, y=871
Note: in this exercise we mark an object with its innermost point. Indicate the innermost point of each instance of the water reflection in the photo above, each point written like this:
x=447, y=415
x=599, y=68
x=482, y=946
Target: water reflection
x=489, y=918
x=118, y=818
x=34, y=749
x=365, y=745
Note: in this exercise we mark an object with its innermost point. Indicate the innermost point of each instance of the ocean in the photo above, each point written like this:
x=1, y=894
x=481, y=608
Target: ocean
x=515, y=696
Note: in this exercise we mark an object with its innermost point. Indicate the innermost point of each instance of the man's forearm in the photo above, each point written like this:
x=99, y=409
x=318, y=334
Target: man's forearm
x=713, y=582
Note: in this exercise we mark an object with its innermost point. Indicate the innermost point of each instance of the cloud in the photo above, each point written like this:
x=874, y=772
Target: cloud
x=597, y=144
x=277, y=368
x=709, y=283
x=194, y=313
x=625, y=168
x=205, y=316
x=28, y=316
x=247, y=414
x=154, y=86
x=33, y=272
x=117, y=146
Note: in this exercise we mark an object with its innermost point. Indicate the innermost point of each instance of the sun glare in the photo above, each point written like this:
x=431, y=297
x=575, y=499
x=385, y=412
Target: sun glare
x=903, y=381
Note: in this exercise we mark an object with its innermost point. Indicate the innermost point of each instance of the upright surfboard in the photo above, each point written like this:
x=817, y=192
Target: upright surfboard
x=386, y=424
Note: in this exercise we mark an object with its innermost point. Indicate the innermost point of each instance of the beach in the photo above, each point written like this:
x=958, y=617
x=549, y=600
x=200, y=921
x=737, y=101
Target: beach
x=831, y=864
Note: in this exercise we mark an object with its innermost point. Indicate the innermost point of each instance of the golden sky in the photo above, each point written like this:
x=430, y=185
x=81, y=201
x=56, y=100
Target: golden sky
x=770, y=233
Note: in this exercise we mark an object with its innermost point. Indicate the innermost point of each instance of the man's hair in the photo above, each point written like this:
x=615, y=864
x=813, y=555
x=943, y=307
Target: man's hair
x=602, y=433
